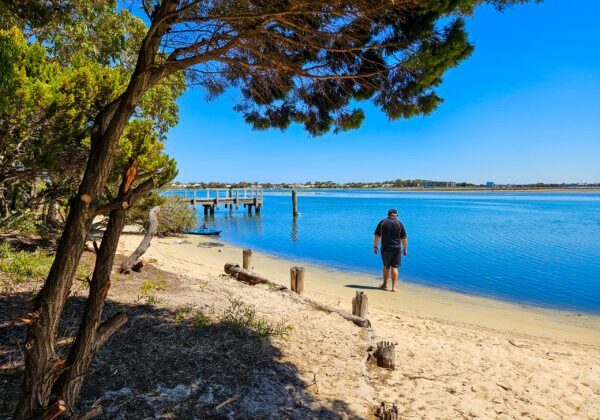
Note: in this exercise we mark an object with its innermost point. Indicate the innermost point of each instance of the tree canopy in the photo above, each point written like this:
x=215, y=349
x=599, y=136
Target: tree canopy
x=304, y=61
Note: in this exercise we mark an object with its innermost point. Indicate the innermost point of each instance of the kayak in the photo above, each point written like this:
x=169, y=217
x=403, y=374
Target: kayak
x=201, y=231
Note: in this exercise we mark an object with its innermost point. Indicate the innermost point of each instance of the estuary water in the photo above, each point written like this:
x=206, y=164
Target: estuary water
x=538, y=249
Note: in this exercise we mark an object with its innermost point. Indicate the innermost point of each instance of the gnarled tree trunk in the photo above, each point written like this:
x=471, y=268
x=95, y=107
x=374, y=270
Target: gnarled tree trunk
x=92, y=335
x=132, y=260
x=42, y=368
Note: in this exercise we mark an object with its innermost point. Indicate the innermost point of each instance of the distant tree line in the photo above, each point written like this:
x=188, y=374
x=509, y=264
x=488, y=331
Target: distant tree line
x=397, y=183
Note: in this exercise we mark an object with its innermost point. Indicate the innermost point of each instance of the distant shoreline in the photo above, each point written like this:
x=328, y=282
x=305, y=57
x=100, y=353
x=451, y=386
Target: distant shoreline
x=458, y=190
x=417, y=189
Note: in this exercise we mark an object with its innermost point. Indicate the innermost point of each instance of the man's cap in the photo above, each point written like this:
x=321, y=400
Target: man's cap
x=392, y=212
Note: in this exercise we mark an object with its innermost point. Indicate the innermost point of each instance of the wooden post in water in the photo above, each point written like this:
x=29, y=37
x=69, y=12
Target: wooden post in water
x=360, y=305
x=247, y=259
x=297, y=279
x=294, y=203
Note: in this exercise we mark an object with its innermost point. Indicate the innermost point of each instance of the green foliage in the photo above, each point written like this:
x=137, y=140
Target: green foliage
x=175, y=216
x=56, y=80
x=24, y=265
x=240, y=316
x=27, y=224
x=148, y=289
x=200, y=321
x=182, y=313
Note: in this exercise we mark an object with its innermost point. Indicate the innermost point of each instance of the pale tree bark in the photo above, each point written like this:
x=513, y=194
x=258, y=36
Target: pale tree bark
x=128, y=264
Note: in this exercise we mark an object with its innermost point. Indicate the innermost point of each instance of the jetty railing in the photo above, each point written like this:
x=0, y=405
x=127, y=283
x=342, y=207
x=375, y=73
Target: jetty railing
x=231, y=198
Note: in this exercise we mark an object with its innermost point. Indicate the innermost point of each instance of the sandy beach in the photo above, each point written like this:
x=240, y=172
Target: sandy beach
x=457, y=355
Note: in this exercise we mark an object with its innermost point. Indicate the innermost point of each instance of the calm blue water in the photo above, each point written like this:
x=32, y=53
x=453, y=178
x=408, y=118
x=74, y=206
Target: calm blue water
x=531, y=248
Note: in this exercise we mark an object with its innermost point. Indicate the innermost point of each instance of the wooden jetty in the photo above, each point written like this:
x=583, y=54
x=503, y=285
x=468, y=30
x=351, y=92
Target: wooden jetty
x=211, y=198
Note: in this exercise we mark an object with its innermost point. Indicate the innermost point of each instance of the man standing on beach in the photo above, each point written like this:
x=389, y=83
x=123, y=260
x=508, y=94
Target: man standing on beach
x=392, y=235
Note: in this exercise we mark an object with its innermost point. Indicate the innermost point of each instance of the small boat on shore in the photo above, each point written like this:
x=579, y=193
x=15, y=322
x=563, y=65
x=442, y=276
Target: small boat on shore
x=203, y=231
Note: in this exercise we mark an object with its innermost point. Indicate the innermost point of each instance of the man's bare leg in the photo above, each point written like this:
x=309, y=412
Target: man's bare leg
x=394, y=278
x=386, y=272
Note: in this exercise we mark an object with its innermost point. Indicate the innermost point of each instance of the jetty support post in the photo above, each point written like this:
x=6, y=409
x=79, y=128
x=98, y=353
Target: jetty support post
x=247, y=259
x=294, y=202
x=297, y=279
x=360, y=305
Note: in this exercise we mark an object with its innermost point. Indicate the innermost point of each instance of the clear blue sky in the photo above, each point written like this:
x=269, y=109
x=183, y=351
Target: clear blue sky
x=525, y=107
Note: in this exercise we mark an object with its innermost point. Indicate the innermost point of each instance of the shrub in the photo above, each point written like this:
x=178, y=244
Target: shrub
x=175, y=216
x=148, y=291
x=200, y=321
x=241, y=316
x=24, y=265
x=26, y=224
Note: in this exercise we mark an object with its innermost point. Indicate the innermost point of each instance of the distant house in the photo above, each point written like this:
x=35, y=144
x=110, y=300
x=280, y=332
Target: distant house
x=490, y=184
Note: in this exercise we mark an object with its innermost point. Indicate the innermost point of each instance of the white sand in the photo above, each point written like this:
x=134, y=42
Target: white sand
x=457, y=355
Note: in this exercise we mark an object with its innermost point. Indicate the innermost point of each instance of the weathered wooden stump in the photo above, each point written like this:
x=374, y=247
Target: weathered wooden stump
x=386, y=354
x=360, y=305
x=297, y=279
x=247, y=259
x=390, y=412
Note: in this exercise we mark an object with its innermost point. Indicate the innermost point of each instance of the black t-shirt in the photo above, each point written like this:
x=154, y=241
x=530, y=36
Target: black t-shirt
x=391, y=232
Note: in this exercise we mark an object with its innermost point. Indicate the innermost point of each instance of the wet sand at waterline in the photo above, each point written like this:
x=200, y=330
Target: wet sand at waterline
x=456, y=355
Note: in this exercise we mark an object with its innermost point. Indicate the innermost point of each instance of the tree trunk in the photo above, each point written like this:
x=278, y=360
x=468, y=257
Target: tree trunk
x=42, y=368
x=128, y=264
x=53, y=216
x=3, y=203
x=91, y=335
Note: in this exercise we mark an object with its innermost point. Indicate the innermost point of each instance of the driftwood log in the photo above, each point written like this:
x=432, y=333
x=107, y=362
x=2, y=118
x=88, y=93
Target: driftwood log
x=252, y=278
x=297, y=279
x=246, y=276
x=390, y=412
x=360, y=305
x=133, y=262
x=361, y=322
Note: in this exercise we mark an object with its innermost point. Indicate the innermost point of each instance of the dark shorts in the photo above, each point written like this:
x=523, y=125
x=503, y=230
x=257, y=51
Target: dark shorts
x=391, y=257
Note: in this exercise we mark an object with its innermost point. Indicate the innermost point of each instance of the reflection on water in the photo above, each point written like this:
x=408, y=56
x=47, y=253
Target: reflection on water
x=294, y=232
x=537, y=248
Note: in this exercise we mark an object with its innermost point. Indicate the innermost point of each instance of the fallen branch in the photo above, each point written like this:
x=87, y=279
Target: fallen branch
x=227, y=401
x=252, y=278
x=521, y=346
x=504, y=387
x=361, y=322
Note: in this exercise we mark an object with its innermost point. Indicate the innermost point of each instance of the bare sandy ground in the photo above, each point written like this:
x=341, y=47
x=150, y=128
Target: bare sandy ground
x=457, y=356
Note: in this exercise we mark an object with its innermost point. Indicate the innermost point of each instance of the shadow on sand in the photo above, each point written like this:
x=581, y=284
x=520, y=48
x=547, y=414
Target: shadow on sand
x=159, y=365
x=362, y=286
